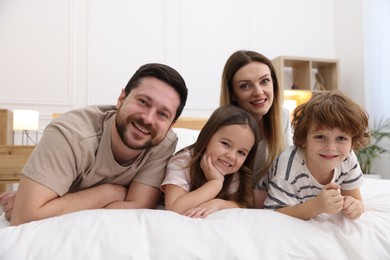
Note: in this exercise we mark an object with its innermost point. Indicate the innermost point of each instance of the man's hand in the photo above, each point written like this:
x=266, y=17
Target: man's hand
x=7, y=202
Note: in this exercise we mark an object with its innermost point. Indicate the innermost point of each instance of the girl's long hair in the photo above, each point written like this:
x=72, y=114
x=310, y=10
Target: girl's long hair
x=225, y=116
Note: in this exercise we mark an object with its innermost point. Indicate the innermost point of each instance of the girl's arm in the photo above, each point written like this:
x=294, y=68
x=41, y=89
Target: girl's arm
x=211, y=206
x=178, y=200
x=353, y=203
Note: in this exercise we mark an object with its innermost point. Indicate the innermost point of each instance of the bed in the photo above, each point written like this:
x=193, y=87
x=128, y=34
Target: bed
x=226, y=234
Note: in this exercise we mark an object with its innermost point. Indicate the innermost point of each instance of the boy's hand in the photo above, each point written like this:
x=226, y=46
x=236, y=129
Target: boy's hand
x=352, y=207
x=329, y=199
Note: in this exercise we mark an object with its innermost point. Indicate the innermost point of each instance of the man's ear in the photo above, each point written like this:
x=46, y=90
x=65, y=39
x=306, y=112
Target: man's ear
x=121, y=99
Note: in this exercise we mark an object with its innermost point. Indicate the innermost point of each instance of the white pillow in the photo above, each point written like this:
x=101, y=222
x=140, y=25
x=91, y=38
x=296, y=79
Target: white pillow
x=186, y=137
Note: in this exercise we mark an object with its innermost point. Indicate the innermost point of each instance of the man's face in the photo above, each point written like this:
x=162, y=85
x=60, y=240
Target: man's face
x=146, y=114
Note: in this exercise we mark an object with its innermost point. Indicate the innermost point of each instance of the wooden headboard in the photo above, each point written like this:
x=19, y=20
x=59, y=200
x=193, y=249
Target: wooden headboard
x=195, y=123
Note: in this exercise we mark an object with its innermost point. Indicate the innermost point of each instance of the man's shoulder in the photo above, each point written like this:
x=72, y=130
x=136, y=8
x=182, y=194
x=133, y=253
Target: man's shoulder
x=167, y=144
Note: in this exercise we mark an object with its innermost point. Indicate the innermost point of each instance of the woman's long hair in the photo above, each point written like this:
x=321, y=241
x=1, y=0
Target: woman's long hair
x=271, y=127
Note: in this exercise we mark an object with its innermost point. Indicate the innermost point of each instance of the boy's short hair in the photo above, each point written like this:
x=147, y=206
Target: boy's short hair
x=331, y=109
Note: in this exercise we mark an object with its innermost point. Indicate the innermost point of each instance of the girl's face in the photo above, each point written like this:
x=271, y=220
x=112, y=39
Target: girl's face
x=253, y=89
x=229, y=147
x=325, y=149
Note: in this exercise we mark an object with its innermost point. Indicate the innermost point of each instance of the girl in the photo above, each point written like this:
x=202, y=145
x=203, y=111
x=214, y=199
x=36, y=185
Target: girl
x=216, y=171
x=249, y=81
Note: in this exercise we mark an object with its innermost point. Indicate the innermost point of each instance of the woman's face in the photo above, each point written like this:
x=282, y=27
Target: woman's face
x=253, y=89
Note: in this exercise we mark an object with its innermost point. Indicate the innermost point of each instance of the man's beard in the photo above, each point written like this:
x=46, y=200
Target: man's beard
x=121, y=126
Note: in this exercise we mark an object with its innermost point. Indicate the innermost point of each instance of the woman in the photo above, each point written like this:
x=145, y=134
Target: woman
x=249, y=81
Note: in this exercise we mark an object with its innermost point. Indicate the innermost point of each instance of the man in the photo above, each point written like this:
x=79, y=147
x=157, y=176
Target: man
x=105, y=156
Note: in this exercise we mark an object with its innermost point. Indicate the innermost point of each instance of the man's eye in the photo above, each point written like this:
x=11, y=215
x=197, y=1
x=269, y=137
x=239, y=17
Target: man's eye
x=164, y=115
x=142, y=101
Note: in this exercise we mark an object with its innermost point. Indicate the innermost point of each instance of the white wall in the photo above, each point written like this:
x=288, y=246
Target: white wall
x=59, y=55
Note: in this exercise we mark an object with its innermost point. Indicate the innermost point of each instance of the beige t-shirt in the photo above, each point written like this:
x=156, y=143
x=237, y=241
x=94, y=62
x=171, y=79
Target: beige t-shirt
x=75, y=153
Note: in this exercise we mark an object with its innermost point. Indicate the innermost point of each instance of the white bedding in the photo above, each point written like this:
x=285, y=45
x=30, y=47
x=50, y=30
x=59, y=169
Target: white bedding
x=227, y=234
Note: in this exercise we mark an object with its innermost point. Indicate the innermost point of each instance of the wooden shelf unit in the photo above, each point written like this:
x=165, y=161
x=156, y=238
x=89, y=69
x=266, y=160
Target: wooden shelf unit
x=301, y=72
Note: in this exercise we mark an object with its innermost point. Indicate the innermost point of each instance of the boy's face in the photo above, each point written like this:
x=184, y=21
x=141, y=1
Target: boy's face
x=325, y=149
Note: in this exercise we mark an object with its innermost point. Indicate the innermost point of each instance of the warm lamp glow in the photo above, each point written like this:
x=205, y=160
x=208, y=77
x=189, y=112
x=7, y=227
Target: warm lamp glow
x=293, y=98
x=26, y=120
x=290, y=105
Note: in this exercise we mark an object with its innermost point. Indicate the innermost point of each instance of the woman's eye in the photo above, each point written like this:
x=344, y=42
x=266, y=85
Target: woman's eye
x=244, y=86
x=265, y=81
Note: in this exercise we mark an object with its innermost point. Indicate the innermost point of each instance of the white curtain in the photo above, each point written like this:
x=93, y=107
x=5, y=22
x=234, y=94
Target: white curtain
x=377, y=57
x=377, y=70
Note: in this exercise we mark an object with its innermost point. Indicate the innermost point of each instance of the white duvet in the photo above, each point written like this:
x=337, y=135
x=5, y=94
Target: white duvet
x=227, y=234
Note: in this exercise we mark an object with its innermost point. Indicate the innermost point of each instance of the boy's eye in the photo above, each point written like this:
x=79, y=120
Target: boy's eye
x=342, y=138
x=319, y=137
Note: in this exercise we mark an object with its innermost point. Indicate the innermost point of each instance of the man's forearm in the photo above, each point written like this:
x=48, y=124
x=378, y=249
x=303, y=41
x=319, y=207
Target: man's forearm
x=91, y=198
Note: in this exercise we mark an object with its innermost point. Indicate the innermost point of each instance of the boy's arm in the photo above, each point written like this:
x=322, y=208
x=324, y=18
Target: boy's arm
x=353, y=203
x=329, y=200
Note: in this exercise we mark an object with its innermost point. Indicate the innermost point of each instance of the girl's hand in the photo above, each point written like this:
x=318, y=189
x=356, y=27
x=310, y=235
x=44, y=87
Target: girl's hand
x=210, y=172
x=352, y=207
x=204, y=209
x=329, y=200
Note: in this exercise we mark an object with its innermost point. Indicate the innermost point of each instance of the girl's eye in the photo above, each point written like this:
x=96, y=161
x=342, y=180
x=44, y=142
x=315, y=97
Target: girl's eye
x=242, y=153
x=225, y=144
